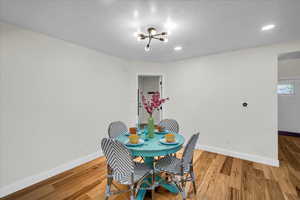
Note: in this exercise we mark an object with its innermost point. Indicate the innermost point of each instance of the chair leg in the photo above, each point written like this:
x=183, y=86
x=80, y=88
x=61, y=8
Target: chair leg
x=183, y=193
x=153, y=187
x=193, y=180
x=132, y=195
x=181, y=190
x=182, y=181
x=108, y=187
x=194, y=187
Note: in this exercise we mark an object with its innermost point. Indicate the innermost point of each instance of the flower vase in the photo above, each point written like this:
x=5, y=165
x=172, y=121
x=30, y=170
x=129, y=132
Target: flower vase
x=150, y=127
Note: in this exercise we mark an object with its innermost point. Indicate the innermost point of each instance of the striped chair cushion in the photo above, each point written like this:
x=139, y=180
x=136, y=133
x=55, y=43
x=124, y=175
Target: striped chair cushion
x=170, y=164
x=173, y=165
x=140, y=170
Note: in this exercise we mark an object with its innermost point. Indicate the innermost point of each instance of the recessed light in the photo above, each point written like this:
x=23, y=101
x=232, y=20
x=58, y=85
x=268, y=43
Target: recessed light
x=268, y=27
x=178, y=48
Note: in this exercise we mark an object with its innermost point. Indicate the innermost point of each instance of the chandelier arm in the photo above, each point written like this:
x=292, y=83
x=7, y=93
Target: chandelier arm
x=158, y=34
x=149, y=41
x=157, y=38
x=143, y=36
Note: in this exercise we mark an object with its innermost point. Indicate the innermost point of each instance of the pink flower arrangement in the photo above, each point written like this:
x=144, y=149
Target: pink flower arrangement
x=154, y=103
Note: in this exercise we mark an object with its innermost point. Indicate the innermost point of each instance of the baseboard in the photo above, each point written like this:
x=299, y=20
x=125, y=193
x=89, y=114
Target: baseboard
x=244, y=156
x=28, y=181
x=288, y=133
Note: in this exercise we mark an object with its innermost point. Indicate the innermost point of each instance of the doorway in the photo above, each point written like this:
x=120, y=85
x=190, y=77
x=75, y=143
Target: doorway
x=147, y=85
x=288, y=91
x=289, y=94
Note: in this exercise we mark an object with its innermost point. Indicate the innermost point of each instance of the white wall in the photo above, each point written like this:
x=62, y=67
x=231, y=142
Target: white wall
x=289, y=105
x=288, y=68
x=56, y=101
x=207, y=95
x=211, y=91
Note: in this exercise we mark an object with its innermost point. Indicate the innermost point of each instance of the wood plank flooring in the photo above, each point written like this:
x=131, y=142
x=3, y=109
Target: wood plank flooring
x=218, y=178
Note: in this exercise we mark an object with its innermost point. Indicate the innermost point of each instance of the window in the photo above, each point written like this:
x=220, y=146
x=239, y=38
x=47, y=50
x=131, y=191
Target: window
x=286, y=88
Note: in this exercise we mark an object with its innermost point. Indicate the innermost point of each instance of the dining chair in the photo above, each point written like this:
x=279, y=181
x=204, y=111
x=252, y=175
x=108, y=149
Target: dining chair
x=183, y=167
x=170, y=125
x=117, y=128
x=122, y=169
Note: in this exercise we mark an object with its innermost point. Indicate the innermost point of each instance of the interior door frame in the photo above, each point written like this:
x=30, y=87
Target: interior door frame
x=162, y=79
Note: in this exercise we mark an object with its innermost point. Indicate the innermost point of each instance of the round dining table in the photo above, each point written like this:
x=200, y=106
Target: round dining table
x=151, y=148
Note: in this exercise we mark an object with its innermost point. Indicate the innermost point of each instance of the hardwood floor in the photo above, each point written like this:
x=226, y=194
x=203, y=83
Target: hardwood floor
x=218, y=178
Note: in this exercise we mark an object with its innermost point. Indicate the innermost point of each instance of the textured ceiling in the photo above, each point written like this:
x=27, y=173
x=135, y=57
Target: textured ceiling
x=201, y=27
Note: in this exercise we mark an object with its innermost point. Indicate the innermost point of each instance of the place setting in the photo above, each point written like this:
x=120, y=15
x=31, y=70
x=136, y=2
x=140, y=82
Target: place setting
x=134, y=131
x=160, y=130
x=134, y=138
x=169, y=139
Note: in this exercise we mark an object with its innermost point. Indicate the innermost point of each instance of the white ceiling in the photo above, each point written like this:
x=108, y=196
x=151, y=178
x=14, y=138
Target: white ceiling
x=202, y=26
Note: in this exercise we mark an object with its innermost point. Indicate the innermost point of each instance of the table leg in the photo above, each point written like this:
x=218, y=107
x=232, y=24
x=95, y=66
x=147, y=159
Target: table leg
x=171, y=187
x=158, y=179
x=141, y=193
x=149, y=161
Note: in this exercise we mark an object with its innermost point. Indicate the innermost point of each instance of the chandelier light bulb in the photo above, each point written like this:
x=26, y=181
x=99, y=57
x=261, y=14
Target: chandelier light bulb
x=153, y=32
x=166, y=40
x=147, y=48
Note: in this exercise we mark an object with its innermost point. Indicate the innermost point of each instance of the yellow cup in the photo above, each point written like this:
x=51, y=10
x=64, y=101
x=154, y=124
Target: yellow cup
x=132, y=130
x=161, y=129
x=134, y=139
x=170, y=137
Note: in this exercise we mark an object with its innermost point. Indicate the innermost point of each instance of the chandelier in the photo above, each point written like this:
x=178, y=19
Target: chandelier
x=150, y=35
